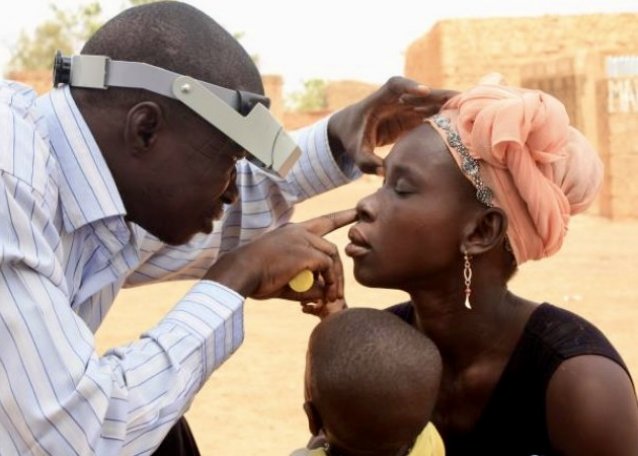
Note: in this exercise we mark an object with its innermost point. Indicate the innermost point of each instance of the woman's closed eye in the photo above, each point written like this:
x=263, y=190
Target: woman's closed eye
x=399, y=187
x=400, y=181
x=402, y=187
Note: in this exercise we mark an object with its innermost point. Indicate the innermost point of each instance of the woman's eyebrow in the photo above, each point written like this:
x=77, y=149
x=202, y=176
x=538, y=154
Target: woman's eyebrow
x=401, y=169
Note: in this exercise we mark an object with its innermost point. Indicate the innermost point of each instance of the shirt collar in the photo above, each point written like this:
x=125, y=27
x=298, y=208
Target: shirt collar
x=87, y=190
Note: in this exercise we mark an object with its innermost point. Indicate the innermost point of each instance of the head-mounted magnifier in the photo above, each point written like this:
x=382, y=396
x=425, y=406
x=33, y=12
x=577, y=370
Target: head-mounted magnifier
x=242, y=116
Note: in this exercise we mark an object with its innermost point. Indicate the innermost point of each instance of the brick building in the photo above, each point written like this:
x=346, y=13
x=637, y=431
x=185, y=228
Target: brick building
x=456, y=52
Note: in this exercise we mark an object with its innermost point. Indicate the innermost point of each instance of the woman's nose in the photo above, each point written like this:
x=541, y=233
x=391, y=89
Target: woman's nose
x=366, y=209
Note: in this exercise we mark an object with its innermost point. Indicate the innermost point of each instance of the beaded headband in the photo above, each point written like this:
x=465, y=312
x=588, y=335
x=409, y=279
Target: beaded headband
x=469, y=165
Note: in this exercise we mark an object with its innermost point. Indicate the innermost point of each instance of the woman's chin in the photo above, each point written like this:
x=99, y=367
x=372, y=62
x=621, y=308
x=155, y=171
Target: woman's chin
x=367, y=277
x=373, y=278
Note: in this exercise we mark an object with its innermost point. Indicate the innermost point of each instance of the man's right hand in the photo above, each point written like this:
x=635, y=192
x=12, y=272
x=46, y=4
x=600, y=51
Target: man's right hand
x=263, y=268
x=323, y=309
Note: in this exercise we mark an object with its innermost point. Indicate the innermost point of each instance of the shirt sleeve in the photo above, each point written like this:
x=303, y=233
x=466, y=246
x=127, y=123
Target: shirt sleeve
x=265, y=202
x=58, y=395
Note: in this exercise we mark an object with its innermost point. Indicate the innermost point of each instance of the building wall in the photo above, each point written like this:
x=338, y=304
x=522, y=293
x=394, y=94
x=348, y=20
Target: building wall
x=273, y=87
x=424, y=60
x=618, y=123
x=455, y=53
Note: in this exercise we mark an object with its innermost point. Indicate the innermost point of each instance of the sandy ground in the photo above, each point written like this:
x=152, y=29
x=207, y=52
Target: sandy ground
x=252, y=404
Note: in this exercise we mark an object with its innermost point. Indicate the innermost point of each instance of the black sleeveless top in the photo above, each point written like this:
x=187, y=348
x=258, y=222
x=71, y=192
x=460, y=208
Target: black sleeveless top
x=513, y=422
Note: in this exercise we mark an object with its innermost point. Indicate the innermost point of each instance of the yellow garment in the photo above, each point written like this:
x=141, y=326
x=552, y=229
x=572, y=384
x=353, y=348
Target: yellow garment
x=428, y=443
x=306, y=452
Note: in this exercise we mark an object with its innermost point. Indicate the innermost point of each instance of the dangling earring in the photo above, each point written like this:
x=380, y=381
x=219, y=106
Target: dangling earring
x=467, y=277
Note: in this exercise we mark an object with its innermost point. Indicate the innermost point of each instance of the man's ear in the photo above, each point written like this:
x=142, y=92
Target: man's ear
x=486, y=231
x=314, y=419
x=143, y=122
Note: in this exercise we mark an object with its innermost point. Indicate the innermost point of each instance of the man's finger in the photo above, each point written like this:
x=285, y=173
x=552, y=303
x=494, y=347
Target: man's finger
x=397, y=85
x=436, y=97
x=324, y=224
x=443, y=94
x=368, y=162
x=316, y=293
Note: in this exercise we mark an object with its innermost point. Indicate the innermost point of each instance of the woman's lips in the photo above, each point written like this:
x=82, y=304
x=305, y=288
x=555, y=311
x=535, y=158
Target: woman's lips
x=359, y=245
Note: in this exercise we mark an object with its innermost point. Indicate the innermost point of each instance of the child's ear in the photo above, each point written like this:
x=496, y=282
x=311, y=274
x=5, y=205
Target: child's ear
x=314, y=419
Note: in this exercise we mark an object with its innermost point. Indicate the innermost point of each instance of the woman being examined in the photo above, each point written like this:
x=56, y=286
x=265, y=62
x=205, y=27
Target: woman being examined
x=482, y=187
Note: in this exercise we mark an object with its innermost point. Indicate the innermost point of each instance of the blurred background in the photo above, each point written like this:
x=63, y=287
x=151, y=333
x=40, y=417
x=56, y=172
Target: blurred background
x=318, y=57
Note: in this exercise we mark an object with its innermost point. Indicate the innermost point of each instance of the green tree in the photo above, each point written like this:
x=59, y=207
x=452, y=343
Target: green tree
x=66, y=31
x=311, y=98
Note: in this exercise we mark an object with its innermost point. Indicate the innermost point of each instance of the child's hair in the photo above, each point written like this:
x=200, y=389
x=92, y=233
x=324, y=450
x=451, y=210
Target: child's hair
x=371, y=380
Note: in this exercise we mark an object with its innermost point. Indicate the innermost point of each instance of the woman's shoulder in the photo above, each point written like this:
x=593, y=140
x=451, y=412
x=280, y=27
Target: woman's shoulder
x=567, y=334
x=591, y=407
x=589, y=393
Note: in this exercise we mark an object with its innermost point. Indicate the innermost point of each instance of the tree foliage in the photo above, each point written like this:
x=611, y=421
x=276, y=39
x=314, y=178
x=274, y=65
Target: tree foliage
x=66, y=31
x=311, y=98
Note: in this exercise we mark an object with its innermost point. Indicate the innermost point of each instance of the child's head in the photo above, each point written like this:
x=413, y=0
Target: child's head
x=371, y=382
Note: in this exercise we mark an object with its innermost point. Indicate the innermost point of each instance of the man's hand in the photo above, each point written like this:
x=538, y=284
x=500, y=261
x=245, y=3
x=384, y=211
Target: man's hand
x=263, y=268
x=323, y=309
x=381, y=118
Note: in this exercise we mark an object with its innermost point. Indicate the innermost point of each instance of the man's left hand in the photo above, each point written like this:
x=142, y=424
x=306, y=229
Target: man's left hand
x=381, y=118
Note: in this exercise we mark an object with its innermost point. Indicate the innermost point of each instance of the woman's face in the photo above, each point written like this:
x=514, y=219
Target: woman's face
x=410, y=230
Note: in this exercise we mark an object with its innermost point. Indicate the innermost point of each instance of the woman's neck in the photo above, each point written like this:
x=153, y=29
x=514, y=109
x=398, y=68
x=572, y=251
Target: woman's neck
x=491, y=328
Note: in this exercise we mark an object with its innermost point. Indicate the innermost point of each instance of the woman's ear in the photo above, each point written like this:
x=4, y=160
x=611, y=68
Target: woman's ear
x=314, y=419
x=143, y=122
x=486, y=231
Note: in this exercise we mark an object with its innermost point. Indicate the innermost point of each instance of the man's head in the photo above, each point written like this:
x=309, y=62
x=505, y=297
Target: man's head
x=371, y=382
x=173, y=170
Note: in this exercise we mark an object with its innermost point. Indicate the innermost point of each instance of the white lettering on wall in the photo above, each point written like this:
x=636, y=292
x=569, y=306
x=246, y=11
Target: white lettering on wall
x=622, y=95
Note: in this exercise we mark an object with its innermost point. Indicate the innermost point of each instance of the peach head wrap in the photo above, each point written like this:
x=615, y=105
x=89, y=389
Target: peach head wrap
x=517, y=148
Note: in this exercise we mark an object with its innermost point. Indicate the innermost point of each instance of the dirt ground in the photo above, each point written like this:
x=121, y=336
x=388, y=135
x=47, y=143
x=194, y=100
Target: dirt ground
x=252, y=404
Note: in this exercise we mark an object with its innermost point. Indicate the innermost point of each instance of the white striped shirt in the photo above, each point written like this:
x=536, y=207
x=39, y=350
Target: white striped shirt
x=65, y=252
